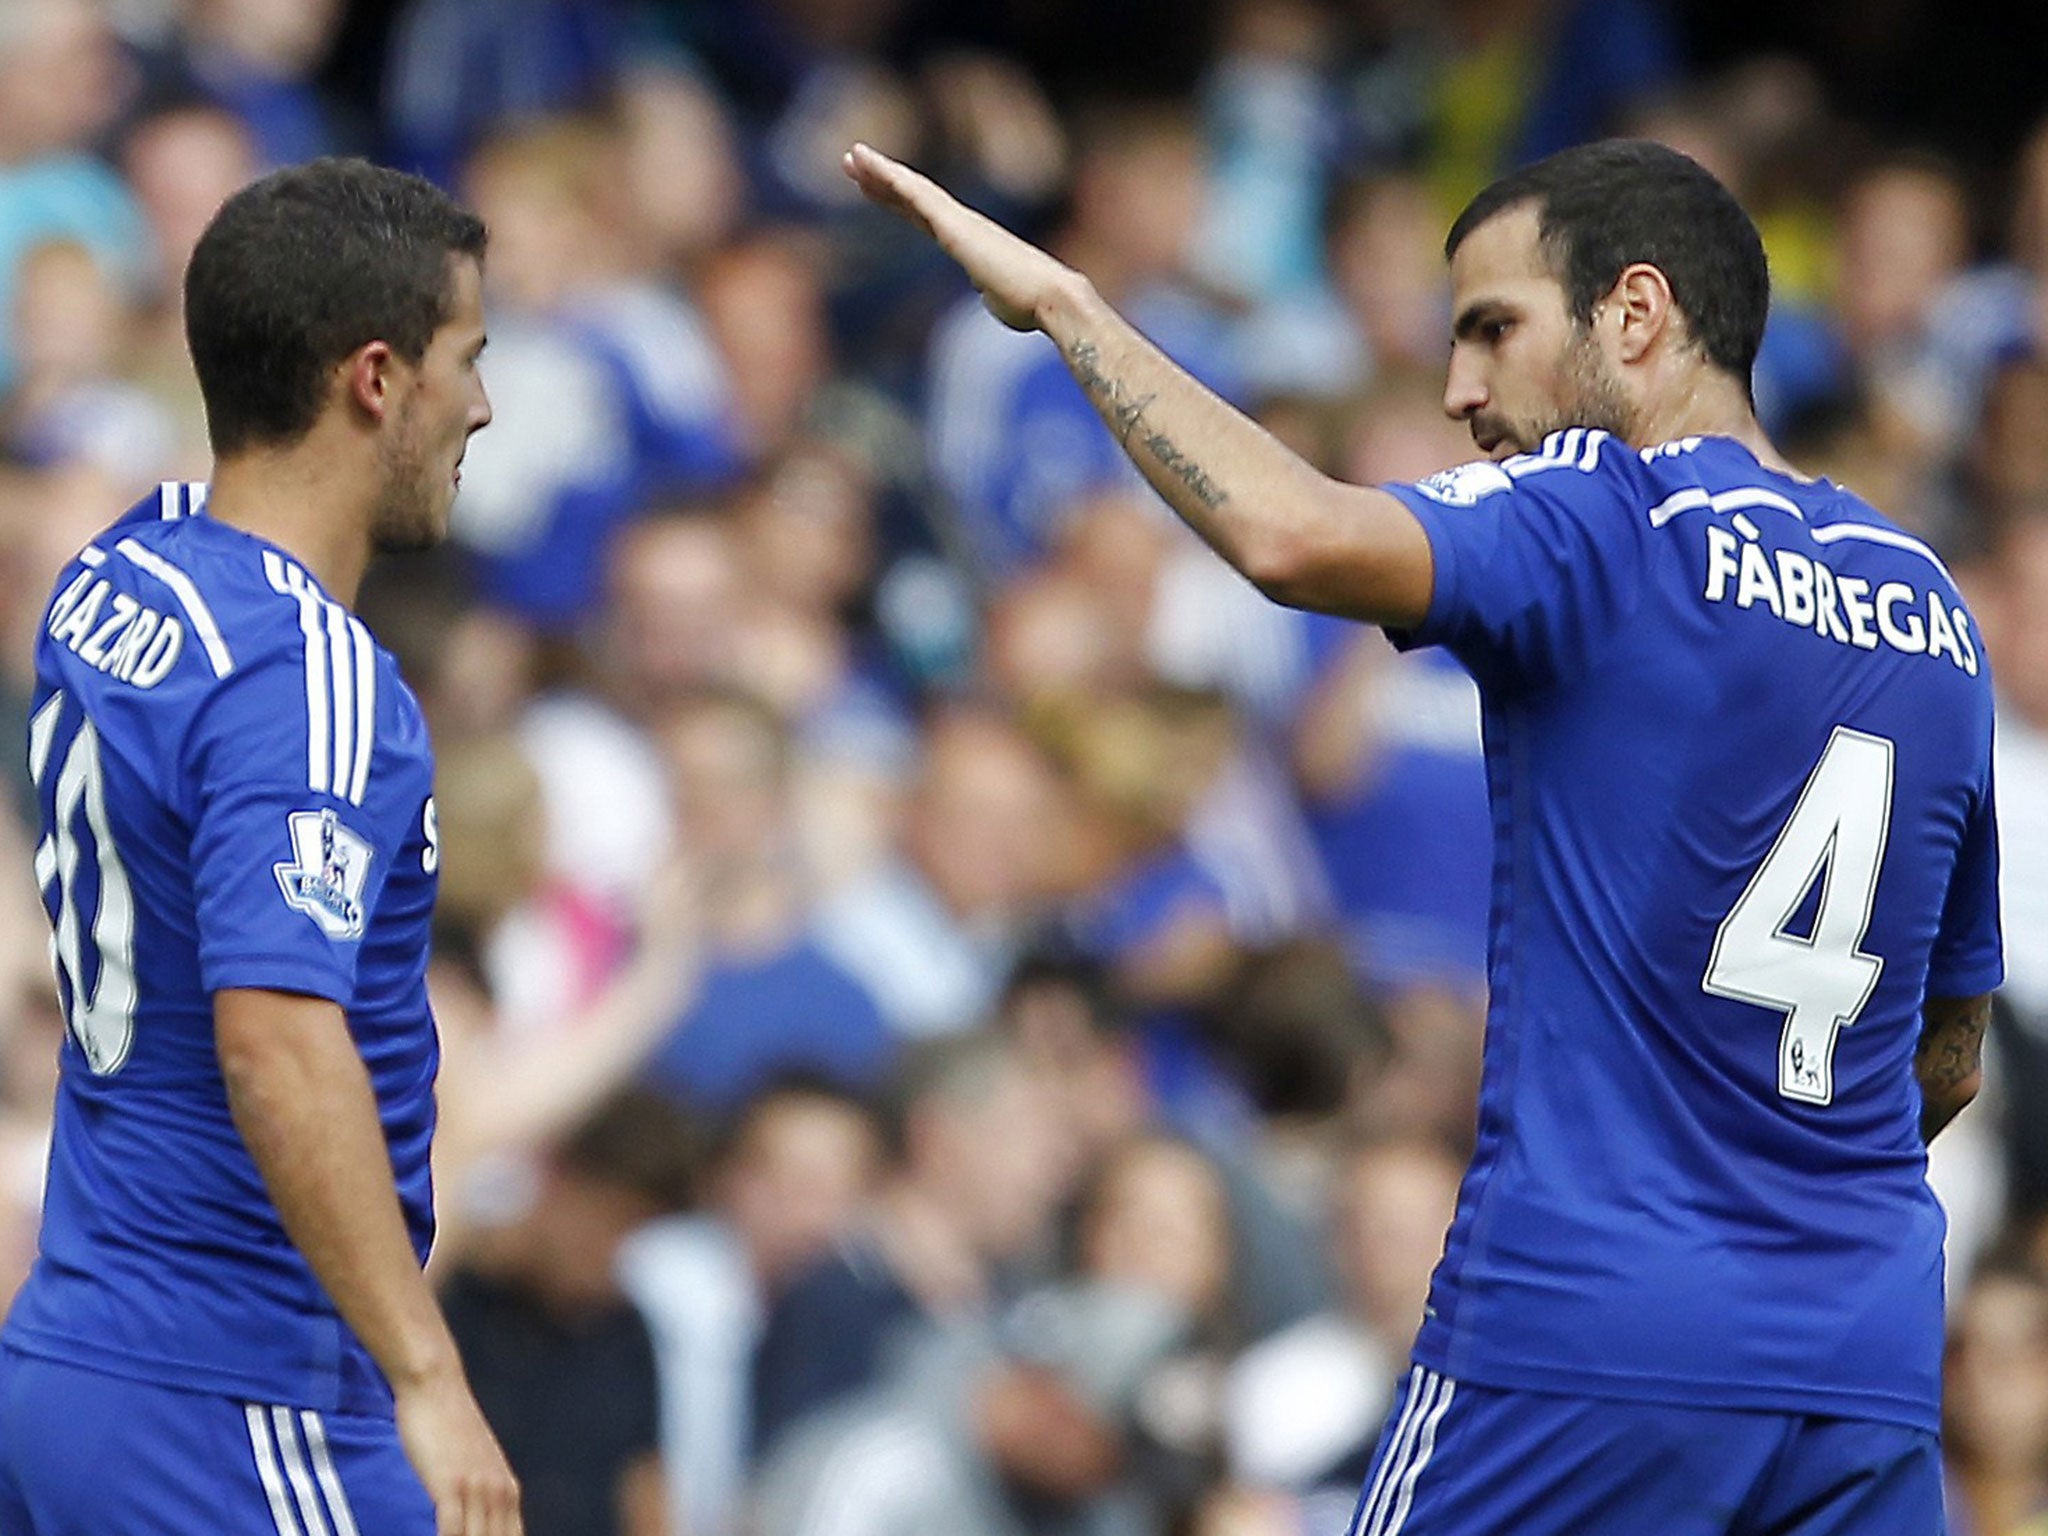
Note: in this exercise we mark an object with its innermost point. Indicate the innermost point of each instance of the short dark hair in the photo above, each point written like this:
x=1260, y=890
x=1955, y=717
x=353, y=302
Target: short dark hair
x=636, y=1139
x=1602, y=207
x=300, y=268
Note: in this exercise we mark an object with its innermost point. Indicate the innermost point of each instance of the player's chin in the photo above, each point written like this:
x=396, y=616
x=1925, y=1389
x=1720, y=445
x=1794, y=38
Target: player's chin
x=425, y=528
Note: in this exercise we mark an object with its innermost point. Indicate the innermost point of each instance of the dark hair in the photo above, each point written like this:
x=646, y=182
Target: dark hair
x=300, y=268
x=639, y=1140
x=1604, y=206
x=1296, y=1025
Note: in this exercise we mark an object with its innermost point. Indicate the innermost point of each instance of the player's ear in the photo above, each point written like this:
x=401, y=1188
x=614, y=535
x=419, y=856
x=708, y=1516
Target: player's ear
x=367, y=376
x=1642, y=305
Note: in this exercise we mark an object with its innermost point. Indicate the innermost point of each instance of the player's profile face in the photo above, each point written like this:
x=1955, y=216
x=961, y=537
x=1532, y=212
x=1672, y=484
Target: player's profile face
x=425, y=440
x=1521, y=367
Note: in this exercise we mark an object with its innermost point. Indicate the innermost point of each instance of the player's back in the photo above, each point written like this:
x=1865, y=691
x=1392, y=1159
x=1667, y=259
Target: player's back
x=233, y=785
x=1738, y=732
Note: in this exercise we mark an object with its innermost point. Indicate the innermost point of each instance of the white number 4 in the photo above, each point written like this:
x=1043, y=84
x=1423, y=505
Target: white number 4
x=1822, y=981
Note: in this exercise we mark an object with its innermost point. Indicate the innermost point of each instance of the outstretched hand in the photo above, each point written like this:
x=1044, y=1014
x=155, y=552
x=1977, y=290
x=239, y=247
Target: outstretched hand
x=1015, y=277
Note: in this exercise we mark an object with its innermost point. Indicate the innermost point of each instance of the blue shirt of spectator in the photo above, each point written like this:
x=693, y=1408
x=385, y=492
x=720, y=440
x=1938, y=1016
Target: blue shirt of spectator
x=759, y=1018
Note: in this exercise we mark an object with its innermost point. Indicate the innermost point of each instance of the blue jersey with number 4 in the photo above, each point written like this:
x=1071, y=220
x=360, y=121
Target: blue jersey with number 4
x=1738, y=739
x=234, y=786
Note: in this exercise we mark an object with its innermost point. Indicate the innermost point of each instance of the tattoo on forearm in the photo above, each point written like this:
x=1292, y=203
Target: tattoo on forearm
x=1125, y=414
x=1950, y=1054
x=1190, y=474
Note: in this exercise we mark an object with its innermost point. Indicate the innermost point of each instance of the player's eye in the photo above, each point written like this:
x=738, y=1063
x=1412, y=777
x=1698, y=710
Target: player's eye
x=1492, y=332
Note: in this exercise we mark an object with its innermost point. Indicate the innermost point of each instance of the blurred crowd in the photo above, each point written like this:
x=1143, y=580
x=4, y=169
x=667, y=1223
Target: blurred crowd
x=958, y=1015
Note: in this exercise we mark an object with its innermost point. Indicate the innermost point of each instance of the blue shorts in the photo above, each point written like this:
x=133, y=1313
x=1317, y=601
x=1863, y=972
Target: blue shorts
x=83, y=1453
x=1462, y=1460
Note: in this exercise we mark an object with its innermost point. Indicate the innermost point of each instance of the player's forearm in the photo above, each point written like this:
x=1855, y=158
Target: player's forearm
x=1949, y=1062
x=303, y=1104
x=1299, y=536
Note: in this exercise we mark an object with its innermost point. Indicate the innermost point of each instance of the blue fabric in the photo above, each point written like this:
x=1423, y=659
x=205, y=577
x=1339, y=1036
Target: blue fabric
x=285, y=118
x=1685, y=1189
x=1608, y=55
x=84, y=1453
x=1142, y=905
x=1803, y=363
x=1457, y=1459
x=219, y=819
x=760, y=1018
x=1409, y=847
x=826, y=1336
x=555, y=577
x=458, y=67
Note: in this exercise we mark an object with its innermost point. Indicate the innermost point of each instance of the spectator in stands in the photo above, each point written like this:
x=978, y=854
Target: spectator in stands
x=976, y=1174
x=772, y=1000
x=796, y=1167
x=1305, y=1406
x=560, y=1360
x=934, y=932
x=1388, y=754
x=1013, y=442
x=2010, y=592
x=182, y=159
x=73, y=329
x=258, y=59
x=1995, y=1419
x=62, y=84
x=606, y=386
x=459, y=68
x=1904, y=240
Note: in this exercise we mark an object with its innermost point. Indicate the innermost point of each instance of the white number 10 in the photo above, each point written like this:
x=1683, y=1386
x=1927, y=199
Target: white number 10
x=101, y=995
x=1820, y=982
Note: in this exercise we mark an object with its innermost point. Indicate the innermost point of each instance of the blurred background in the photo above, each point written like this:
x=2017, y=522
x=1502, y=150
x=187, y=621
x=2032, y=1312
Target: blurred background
x=959, y=1016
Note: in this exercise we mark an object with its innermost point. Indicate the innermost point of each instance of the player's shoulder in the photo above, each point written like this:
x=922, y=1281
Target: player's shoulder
x=1720, y=477
x=168, y=601
x=1578, y=461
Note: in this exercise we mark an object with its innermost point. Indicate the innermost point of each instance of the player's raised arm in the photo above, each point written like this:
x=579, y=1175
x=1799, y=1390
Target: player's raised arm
x=1299, y=536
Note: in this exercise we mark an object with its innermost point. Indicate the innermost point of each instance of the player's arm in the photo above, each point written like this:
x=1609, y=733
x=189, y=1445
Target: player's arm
x=1299, y=536
x=1949, y=1061
x=302, y=1101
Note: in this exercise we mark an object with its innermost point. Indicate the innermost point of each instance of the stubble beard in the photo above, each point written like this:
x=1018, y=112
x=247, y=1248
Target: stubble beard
x=409, y=519
x=1589, y=395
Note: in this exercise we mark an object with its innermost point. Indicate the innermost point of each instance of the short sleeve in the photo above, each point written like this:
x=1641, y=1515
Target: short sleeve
x=1968, y=958
x=285, y=870
x=1539, y=559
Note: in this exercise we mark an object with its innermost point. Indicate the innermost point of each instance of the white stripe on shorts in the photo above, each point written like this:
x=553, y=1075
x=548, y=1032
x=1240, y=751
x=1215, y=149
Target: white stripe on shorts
x=266, y=1469
x=330, y=1480
x=1404, y=1492
x=296, y=1472
x=1384, y=1509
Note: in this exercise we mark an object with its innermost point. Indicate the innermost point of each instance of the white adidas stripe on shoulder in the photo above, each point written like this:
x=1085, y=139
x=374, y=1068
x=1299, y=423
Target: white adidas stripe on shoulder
x=187, y=594
x=341, y=685
x=1574, y=448
x=180, y=499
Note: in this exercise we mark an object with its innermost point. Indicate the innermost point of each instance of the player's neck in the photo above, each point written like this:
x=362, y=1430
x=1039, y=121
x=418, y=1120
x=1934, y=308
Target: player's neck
x=296, y=499
x=1707, y=403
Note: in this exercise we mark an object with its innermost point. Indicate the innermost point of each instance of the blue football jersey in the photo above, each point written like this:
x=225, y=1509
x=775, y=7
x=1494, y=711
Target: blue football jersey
x=235, y=792
x=1738, y=742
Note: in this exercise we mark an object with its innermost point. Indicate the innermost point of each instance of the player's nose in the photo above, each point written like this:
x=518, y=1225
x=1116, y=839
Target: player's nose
x=1464, y=387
